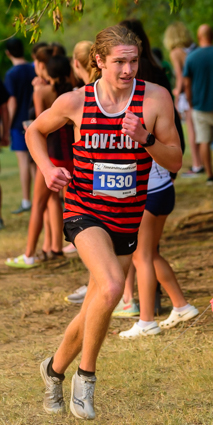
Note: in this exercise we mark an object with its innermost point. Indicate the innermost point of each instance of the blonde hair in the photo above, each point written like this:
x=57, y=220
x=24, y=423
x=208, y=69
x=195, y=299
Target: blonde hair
x=111, y=37
x=177, y=35
x=81, y=52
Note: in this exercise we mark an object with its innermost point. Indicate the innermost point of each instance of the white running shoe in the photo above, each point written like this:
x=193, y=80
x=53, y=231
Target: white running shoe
x=77, y=297
x=53, y=399
x=82, y=396
x=152, y=329
x=174, y=317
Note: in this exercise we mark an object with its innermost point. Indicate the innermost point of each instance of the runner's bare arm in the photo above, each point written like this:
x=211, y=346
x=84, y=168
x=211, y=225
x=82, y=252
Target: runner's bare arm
x=66, y=107
x=159, y=120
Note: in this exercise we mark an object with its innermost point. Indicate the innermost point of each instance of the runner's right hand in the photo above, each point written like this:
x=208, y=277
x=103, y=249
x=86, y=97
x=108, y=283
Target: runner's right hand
x=57, y=178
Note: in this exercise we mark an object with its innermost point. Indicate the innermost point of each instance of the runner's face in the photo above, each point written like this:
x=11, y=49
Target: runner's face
x=121, y=65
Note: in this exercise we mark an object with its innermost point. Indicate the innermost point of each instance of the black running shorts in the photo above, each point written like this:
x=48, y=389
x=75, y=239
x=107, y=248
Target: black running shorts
x=124, y=243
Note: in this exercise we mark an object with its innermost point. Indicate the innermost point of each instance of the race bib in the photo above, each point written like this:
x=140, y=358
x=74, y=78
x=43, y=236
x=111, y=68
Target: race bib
x=117, y=180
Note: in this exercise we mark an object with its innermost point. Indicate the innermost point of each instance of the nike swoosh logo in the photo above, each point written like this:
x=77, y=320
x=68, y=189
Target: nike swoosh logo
x=130, y=244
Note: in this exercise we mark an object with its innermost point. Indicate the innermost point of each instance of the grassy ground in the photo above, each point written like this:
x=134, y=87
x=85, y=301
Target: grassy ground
x=165, y=380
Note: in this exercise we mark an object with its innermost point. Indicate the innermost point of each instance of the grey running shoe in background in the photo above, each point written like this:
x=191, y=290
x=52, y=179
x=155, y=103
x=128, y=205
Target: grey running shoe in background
x=77, y=297
x=53, y=399
x=21, y=209
x=82, y=396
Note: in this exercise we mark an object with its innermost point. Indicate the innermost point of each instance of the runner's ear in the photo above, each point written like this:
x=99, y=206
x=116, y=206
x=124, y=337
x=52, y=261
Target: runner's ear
x=99, y=61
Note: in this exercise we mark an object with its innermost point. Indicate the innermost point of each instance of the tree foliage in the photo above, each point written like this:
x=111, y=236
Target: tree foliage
x=34, y=10
x=83, y=20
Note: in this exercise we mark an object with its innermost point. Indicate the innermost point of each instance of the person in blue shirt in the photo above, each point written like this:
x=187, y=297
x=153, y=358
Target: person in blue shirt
x=198, y=81
x=18, y=84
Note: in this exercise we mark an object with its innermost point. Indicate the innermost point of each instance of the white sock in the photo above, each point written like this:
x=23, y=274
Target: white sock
x=143, y=324
x=180, y=309
x=28, y=260
x=26, y=203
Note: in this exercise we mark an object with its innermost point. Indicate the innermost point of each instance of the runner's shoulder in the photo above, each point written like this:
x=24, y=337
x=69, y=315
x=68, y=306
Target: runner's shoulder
x=72, y=100
x=157, y=93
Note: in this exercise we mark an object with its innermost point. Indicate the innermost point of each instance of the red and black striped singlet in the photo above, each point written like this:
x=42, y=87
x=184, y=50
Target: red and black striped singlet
x=102, y=142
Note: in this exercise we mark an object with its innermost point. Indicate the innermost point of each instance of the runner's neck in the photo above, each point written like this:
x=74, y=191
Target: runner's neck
x=113, y=101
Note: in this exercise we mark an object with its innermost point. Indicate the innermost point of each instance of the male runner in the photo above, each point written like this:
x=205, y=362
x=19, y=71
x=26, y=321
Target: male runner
x=120, y=123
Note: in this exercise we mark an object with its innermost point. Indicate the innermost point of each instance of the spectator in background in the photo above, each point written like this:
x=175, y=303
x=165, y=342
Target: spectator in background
x=58, y=49
x=4, y=136
x=149, y=70
x=18, y=84
x=179, y=43
x=56, y=70
x=81, y=74
x=81, y=63
x=198, y=80
x=164, y=64
x=35, y=48
x=150, y=265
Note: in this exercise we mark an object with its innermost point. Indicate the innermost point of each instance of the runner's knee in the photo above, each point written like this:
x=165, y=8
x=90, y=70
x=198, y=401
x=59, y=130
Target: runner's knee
x=112, y=291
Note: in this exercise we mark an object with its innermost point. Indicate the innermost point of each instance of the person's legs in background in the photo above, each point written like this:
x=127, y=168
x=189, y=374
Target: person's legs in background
x=53, y=225
x=25, y=166
x=194, y=148
x=150, y=267
x=203, y=124
x=205, y=153
x=25, y=177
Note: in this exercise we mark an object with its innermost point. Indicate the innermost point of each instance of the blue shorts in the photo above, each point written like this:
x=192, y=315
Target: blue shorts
x=161, y=203
x=18, y=140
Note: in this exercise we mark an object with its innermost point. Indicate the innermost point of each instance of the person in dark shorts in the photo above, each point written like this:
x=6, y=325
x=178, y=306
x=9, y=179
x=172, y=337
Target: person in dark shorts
x=120, y=125
x=18, y=84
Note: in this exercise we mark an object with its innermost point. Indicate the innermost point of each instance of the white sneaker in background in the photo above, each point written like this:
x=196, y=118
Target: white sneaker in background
x=175, y=317
x=77, y=297
x=135, y=331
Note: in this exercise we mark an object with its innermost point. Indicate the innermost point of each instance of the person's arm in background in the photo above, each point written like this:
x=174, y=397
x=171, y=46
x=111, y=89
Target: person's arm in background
x=188, y=89
x=12, y=107
x=177, y=65
x=5, y=139
x=12, y=101
x=38, y=101
x=187, y=78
